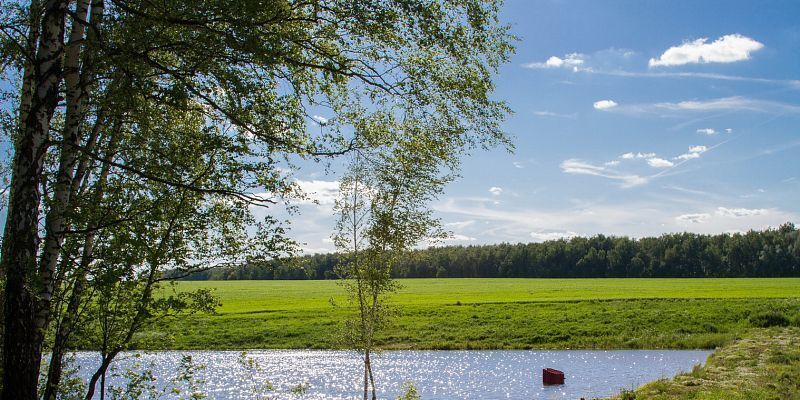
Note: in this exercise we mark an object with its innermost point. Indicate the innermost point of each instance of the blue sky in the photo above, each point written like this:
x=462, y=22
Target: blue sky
x=631, y=118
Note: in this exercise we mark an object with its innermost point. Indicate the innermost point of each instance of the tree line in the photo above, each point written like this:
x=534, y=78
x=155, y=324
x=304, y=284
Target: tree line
x=774, y=252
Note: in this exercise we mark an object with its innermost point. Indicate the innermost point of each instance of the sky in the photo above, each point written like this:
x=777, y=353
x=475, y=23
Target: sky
x=632, y=118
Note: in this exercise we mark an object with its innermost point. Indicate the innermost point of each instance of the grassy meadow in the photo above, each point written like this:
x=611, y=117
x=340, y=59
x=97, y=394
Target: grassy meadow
x=492, y=313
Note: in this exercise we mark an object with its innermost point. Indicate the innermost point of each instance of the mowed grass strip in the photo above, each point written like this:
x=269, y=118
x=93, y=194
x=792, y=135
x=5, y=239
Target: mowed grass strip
x=489, y=313
x=764, y=364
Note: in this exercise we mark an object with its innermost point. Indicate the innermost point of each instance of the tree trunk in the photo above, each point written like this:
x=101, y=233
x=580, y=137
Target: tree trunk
x=366, y=374
x=100, y=375
x=64, y=329
x=22, y=341
x=371, y=378
x=25, y=98
x=55, y=221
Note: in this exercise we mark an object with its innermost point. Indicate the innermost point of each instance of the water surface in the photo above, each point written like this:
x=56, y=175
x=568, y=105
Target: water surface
x=446, y=375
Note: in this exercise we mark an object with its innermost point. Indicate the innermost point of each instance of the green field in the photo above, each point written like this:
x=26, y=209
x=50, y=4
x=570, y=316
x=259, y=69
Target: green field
x=490, y=313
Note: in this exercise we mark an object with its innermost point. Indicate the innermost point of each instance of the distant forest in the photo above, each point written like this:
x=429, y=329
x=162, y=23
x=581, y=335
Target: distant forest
x=768, y=253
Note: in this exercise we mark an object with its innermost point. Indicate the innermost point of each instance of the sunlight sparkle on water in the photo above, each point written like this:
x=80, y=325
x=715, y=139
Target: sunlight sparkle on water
x=469, y=374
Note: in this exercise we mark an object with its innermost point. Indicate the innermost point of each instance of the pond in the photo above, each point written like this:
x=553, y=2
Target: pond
x=468, y=374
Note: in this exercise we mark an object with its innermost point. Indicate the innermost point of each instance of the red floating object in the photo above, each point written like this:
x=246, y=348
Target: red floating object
x=552, y=376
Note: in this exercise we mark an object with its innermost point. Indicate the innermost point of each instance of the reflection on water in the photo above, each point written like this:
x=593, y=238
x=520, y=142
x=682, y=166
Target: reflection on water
x=469, y=374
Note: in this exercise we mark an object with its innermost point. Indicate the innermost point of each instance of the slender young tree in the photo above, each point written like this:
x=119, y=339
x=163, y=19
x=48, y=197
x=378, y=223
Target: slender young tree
x=383, y=213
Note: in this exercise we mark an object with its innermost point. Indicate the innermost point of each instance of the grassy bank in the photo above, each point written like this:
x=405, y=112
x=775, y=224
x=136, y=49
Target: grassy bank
x=492, y=313
x=764, y=364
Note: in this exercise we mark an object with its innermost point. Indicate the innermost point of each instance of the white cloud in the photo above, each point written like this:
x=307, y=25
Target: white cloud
x=613, y=62
x=656, y=162
x=693, y=218
x=573, y=61
x=552, y=235
x=320, y=120
x=698, y=149
x=578, y=167
x=611, y=163
x=729, y=48
x=694, y=152
x=740, y=212
x=495, y=191
x=707, y=131
x=728, y=130
x=518, y=164
x=604, y=104
x=688, y=156
x=631, y=156
x=319, y=191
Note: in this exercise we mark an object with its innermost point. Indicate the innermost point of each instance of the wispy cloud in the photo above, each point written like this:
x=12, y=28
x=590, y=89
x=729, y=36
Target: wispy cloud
x=792, y=83
x=693, y=192
x=631, y=155
x=727, y=49
x=697, y=149
x=460, y=224
x=571, y=61
x=740, y=212
x=688, y=156
x=612, y=62
x=578, y=167
x=458, y=238
x=779, y=148
x=693, y=218
x=543, y=236
x=496, y=191
x=694, y=152
x=319, y=192
x=734, y=103
x=545, y=113
x=707, y=131
x=634, y=218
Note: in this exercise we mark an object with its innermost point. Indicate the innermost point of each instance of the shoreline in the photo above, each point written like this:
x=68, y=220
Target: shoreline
x=763, y=363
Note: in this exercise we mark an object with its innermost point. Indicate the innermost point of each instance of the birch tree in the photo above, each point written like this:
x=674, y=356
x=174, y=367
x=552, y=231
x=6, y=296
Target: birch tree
x=383, y=213
x=82, y=72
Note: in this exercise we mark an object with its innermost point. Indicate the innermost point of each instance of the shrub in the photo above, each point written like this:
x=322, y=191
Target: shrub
x=409, y=392
x=627, y=394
